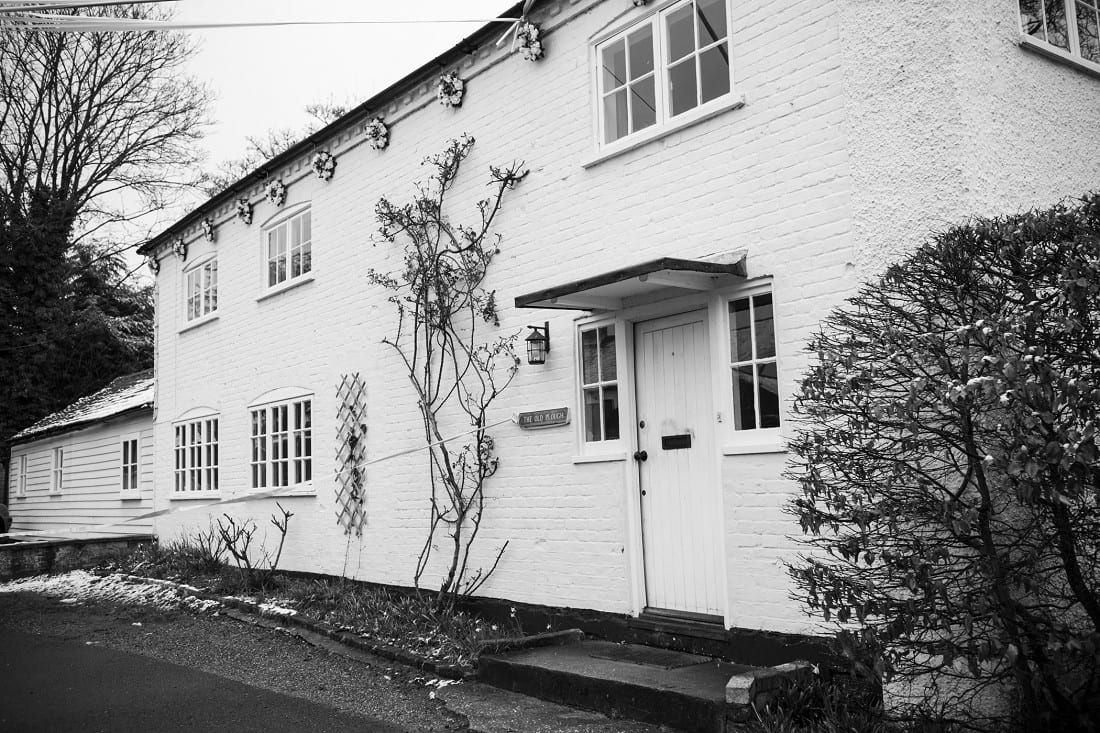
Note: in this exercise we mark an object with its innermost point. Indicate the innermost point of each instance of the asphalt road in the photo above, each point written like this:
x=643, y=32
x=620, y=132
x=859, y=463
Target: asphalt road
x=105, y=666
x=54, y=685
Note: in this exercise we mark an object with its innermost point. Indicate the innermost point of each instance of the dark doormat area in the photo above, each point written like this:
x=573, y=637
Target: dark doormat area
x=647, y=656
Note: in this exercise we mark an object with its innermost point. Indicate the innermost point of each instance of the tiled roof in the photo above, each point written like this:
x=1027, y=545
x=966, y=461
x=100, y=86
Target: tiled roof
x=131, y=392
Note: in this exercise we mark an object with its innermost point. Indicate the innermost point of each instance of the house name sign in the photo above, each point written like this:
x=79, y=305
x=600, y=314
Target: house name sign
x=544, y=418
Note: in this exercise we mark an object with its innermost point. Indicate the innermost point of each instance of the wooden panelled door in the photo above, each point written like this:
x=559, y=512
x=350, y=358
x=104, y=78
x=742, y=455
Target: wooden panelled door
x=677, y=466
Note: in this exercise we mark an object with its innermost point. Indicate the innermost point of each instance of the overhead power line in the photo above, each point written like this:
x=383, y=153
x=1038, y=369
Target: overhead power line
x=21, y=14
x=22, y=6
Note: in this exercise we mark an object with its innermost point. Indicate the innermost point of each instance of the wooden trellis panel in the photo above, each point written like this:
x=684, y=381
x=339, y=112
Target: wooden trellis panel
x=351, y=452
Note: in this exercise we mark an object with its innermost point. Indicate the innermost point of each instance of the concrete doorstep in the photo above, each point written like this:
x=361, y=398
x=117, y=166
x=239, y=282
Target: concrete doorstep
x=682, y=691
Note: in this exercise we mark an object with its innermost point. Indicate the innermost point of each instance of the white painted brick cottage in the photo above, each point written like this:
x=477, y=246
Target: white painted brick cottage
x=707, y=179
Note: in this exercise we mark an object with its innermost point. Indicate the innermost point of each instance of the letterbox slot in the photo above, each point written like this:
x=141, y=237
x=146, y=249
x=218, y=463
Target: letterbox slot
x=675, y=442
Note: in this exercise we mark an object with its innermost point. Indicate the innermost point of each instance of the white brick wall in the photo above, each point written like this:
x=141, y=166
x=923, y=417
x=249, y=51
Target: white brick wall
x=852, y=144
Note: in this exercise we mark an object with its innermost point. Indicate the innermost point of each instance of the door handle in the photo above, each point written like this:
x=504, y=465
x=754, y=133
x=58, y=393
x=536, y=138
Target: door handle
x=640, y=455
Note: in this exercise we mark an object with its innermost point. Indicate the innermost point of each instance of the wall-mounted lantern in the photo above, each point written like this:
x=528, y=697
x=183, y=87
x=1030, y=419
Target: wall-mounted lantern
x=538, y=344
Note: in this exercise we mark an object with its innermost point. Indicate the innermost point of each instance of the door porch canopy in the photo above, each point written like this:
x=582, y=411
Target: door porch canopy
x=658, y=279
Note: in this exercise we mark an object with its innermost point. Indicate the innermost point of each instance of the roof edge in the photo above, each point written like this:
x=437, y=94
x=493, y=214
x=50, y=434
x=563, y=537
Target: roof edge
x=20, y=438
x=460, y=50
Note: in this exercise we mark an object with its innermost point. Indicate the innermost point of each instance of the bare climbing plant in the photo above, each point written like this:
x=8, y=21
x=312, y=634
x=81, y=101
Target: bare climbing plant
x=456, y=373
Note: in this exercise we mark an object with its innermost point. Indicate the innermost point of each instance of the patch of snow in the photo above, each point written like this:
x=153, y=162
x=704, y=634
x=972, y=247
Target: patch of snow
x=440, y=683
x=80, y=586
x=277, y=610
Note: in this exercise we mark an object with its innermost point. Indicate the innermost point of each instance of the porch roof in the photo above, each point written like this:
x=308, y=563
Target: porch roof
x=656, y=279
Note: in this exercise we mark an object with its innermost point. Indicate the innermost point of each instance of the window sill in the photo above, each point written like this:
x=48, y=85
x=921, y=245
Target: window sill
x=130, y=496
x=656, y=133
x=201, y=321
x=600, y=458
x=283, y=287
x=303, y=490
x=196, y=496
x=754, y=448
x=1059, y=54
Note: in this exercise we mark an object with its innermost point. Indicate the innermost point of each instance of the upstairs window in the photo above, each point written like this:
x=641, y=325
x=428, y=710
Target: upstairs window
x=1072, y=26
x=202, y=290
x=753, y=364
x=659, y=70
x=288, y=248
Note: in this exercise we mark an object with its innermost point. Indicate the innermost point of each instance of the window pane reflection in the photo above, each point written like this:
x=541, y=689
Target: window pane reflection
x=682, y=88
x=611, y=413
x=681, y=33
x=744, y=407
x=768, y=382
x=712, y=21
x=714, y=68
x=592, y=431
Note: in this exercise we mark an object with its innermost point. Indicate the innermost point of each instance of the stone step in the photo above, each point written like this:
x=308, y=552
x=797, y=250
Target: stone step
x=683, y=691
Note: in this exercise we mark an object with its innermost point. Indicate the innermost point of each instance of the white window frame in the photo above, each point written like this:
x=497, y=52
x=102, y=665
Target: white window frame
x=129, y=464
x=598, y=450
x=205, y=276
x=57, y=470
x=285, y=221
x=288, y=451
x=196, y=456
x=1073, y=54
x=750, y=440
x=21, y=478
x=665, y=123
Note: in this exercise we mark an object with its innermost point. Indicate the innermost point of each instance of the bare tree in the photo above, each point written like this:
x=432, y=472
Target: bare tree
x=87, y=116
x=261, y=148
x=95, y=129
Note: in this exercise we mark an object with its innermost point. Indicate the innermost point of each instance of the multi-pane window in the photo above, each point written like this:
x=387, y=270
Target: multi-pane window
x=57, y=472
x=673, y=62
x=1071, y=25
x=202, y=290
x=21, y=477
x=753, y=364
x=130, y=464
x=282, y=444
x=196, y=456
x=289, y=249
x=599, y=384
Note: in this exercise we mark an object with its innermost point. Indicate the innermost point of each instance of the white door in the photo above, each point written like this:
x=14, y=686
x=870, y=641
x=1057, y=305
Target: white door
x=677, y=465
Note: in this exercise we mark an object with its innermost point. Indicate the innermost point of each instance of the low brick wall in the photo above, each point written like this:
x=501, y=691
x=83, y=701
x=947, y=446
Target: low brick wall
x=38, y=557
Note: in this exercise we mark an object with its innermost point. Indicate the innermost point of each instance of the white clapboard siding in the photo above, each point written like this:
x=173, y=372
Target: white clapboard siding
x=91, y=494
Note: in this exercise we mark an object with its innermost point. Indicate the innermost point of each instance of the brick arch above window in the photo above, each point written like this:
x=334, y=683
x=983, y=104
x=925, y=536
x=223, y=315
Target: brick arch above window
x=280, y=394
x=197, y=412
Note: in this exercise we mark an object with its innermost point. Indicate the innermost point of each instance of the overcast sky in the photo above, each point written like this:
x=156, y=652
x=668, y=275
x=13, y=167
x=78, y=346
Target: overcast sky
x=264, y=77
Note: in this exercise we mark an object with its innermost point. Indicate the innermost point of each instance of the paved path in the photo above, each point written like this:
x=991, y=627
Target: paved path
x=53, y=685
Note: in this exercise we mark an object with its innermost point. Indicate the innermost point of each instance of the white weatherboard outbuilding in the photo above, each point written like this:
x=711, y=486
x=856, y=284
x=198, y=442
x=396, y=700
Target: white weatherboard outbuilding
x=82, y=471
x=707, y=179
